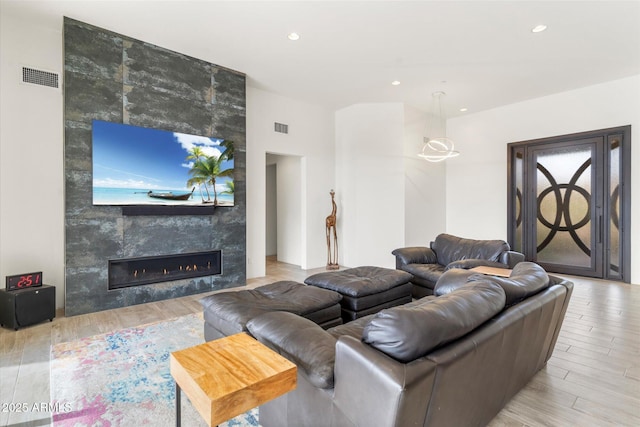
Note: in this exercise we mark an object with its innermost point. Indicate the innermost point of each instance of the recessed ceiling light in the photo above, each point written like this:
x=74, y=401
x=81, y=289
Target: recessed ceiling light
x=395, y=82
x=293, y=36
x=539, y=28
x=463, y=110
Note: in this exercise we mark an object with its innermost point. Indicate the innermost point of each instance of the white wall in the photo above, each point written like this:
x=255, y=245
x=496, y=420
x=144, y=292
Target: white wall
x=387, y=196
x=425, y=185
x=310, y=138
x=477, y=179
x=370, y=183
x=289, y=206
x=31, y=154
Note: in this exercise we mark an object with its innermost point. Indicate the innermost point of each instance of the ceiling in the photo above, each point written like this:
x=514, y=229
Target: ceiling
x=482, y=54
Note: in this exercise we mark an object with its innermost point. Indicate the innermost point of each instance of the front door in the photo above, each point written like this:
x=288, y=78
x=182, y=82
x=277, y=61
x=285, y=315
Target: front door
x=569, y=204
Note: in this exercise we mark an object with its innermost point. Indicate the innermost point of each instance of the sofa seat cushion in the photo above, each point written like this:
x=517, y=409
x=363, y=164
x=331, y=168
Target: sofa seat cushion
x=397, y=295
x=450, y=248
x=429, y=273
x=229, y=312
x=299, y=340
x=365, y=290
x=526, y=279
x=407, y=333
x=359, y=281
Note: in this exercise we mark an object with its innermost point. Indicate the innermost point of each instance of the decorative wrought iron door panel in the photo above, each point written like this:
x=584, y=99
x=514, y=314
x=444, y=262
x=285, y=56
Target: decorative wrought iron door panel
x=568, y=207
x=569, y=202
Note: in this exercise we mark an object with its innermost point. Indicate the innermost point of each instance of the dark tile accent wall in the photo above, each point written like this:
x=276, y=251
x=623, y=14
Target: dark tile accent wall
x=112, y=77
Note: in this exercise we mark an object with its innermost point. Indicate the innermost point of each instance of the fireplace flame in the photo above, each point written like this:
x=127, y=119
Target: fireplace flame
x=166, y=271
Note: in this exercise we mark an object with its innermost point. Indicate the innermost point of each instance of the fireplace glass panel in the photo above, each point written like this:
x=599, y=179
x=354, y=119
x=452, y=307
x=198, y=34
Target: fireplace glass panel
x=141, y=271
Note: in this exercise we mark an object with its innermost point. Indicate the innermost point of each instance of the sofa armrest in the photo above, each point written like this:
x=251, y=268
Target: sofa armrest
x=468, y=264
x=414, y=255
x=511, y=258
x=301, y=341
x=372, y=389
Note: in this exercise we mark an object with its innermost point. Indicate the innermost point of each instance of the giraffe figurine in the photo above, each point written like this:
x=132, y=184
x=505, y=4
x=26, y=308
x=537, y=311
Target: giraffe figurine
x=332, y=236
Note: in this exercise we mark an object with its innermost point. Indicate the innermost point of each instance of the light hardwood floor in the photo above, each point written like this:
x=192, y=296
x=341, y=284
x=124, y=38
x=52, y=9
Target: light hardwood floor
x=592, y=379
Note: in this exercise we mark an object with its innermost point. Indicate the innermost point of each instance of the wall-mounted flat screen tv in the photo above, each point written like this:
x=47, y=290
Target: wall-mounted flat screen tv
x=139, y=166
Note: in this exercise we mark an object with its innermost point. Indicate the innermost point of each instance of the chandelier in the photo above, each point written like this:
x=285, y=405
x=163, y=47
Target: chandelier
x=438, y=148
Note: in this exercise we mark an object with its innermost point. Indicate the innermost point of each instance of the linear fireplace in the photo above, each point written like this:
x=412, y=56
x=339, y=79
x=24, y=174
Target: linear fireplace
x=128, y=272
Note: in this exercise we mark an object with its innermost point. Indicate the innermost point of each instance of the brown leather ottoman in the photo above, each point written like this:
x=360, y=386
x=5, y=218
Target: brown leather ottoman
x=227, y=313
x=365, y=290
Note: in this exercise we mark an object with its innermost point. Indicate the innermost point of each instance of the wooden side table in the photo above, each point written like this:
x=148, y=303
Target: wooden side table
x=228, y=376
x=492, y=271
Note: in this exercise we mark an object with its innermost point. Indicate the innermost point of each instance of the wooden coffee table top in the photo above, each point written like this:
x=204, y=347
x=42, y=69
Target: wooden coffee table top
x=228, y=376
x=492, y=271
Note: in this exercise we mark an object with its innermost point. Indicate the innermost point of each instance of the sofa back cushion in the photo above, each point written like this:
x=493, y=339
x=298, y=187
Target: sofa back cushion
x=450, y=248
x=409, y=332
x=526, y=279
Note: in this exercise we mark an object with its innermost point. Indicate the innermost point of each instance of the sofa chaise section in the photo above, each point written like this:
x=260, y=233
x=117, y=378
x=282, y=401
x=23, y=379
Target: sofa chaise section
x=227, y=313
x=365, y=290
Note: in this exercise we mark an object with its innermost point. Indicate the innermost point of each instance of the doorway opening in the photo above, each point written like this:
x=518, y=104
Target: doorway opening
x=283, y=200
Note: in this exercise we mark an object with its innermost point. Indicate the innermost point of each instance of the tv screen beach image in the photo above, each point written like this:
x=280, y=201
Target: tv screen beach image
x=133, y=165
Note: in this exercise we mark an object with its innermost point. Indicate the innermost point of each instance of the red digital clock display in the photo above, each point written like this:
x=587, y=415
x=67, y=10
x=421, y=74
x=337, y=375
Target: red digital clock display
x=23, y=281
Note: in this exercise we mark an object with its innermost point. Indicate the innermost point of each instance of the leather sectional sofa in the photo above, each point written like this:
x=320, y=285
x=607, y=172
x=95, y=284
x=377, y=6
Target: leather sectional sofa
x=447, y=252
x=454, y=359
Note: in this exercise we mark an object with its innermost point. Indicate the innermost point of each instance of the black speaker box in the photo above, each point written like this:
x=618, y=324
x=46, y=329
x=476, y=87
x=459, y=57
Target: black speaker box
x=26, y=307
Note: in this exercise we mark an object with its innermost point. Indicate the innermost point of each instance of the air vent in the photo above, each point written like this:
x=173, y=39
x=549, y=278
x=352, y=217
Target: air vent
x=280, y=127
x=39, y=77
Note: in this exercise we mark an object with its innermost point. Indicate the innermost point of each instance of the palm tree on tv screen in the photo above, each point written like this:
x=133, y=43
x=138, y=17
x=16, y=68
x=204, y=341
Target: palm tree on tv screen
x=231, y=188
x=228, y=149
x=196, y=155
x=205, y=170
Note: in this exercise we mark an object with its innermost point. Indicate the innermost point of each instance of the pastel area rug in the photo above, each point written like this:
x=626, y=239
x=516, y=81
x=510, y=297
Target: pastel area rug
x=122, y=378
